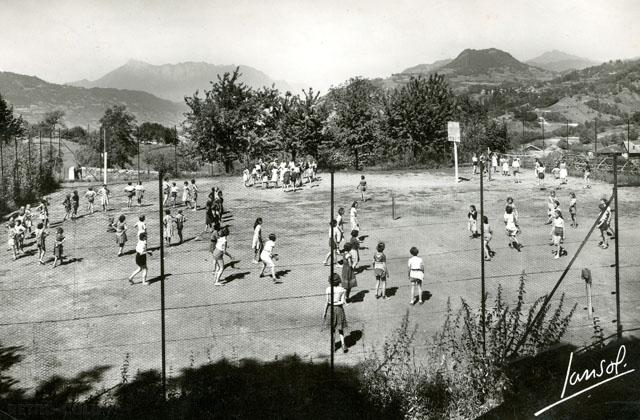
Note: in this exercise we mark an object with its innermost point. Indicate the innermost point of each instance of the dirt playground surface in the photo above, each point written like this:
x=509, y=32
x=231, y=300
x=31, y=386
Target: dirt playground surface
x=85, y=314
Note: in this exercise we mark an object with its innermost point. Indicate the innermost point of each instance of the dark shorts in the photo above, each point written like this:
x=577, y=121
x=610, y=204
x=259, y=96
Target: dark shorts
x=541, y=175
x=141, y=260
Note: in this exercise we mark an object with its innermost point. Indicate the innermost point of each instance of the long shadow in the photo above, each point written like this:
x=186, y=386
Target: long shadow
x=236, y=276
x=426, y=295
x=231, y=264
x=358, y=297
x=184, y=241
x=282, y=273
x=129, y=252
x=352, y=338
x=362, y=268
x=157, y=278
x=391, y=291
x=71, y=260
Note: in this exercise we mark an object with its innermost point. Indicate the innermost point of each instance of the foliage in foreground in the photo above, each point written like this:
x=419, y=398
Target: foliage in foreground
x=460, y=380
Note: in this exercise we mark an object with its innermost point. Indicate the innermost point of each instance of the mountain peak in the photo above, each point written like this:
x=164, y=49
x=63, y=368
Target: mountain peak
x=136, y=63
x=560, y=61
x=471, y=61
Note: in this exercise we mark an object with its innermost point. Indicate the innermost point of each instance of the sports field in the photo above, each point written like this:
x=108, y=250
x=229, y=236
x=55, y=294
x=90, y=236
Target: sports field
x=85, y=313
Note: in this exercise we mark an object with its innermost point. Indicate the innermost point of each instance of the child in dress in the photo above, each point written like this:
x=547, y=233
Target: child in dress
x=505, y=166
x=20, y=232
x=362, y=186
x=167, y=222
x=353, y=217
x=186, y=195
x=355, y=247
x=121, y=233
x=166, y=191
x=194, y=194
x=104, y=197
x=256, y=243
x=380, y=269
x=267, y=256
x=245, y=177
x=474, y=162
x=139, y=192
x=551, y=199
x=339, y=302
x=58, y=247
x=472, y=217
x=41, y=236
x=573, y=210
x=180, y=219
x=541, y=170
x=416, y=275
x=334, y=241
x=27, y=219
x=219, y=249
x=130, y=191
x=90, y=196
x=340, y=224
x=174, y=194
x=511, y=228
x=563, y=172
x=515, y=165
x=348, y=271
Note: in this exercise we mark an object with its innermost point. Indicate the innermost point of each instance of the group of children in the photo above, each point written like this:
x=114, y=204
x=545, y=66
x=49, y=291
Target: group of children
x=493, y=161
x=290, y=176
x=189, y=194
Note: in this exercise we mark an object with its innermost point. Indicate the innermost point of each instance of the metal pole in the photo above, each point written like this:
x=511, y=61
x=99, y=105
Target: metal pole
x=567, y=134
x=543, y=133
x=616, y=242
x=162, y=326
x=40, y=171
x=482, y=292
x=104, y=134
x=29, y=161
x=138, y=159
x=331, y=276
x=595, y=135
x=628, y=137
x=2, y=164
x=455, y=159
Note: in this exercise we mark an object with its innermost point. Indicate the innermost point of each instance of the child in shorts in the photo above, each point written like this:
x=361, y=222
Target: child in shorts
x=90, y=196
x=472, y=225
x=416, y=275
x=180, y=219
x=380, y=270
x=573, y=210
x=58, y=247
x=511, y=228
x=267, y=256
x=557, y=234
x=174, y=194
x=488, y=234
x=41, y=236
x=362, y=186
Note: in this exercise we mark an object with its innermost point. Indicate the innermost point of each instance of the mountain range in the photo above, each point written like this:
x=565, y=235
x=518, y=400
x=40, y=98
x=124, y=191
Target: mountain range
x=32, y=97
x=175, y=81
x=559, y=61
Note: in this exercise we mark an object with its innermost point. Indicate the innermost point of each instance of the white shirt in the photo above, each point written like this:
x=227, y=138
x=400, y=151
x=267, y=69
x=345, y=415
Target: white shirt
x=256, y=235
x=221, y=243
x=338, y=295
x=268, y=247
x=510, y=221
x=417, y=267
x=142, y=227
x=141, y=247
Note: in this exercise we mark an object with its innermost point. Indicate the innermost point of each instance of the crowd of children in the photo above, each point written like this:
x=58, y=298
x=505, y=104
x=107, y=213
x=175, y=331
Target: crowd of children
x=275, y=174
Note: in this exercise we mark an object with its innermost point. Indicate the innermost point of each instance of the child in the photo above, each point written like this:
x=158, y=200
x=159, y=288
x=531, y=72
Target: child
x=41, y=236
x=348, y=273
x=44, y=212
x=90, y=195
x=488, y=234
x=141, y=225
x=572, y=210
x=541, y=170
x=167, y=222
x=257, y=243
x=58, y=247
x=609, y=211
x=416, y=275
x=267, y=256
x=75, y=200
x=563, y=172
x=556, y=171
x=194, y=194
x=174, y=194
x=121, y=233
x=186, y=195
x=340, y=224
x=474, y=162
x=380, y=269
x=511, y=228
x=130, y=191
x=139, y=192
x=511, y=204
x=339, y=302
x=355, y=247
x=353, y=218
x=587, y=174
x=104, y=197
x=166, y=191
x=551, y=204
x=245, y=177
x=505, y=166
x=362, y=186
x=180, y=219
x=472, y=223
x=12, y=240
x=141, y=258
x=334, y=241
x=516, y=169
x=558, y=233
x=494, y=163
x=219, y=249
x=27, y=219
x=20, y=230
x=67, y=207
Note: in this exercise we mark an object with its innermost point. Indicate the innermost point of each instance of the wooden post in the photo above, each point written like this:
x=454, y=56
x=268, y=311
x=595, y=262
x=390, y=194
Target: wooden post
x=393, y=206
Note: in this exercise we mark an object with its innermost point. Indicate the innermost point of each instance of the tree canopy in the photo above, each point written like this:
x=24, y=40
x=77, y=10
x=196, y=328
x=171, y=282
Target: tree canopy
x=120, y=128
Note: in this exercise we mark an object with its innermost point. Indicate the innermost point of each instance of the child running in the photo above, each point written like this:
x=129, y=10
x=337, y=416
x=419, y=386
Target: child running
x=141, y=258
x=362, y=186
x=416, y=275
x=58, y=247
x=572, y=210
x=380, y=269
x=267, y=256
x=511, y=228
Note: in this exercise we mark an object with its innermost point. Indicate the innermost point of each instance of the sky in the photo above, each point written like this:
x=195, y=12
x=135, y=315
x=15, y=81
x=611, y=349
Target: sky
x=318, y=43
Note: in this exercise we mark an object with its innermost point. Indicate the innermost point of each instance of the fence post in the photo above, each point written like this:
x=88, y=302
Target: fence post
x=482, y=292
x=162, y=325
x=331, y=277
x=393, y=206
x=617, y=241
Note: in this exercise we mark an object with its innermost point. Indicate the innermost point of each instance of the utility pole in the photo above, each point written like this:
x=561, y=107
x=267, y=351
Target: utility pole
x=616, y=242
x=104, y=133
x=543, y=134
x=40, y=172
x=138, y=159
x=29, y=161
x=175, y=147
x=567, y=134
x=522, y=137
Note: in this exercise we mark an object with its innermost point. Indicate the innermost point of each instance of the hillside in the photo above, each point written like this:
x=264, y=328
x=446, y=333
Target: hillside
x=175, y=81
x=33, y=97
x=559, y=61
x=476, y=67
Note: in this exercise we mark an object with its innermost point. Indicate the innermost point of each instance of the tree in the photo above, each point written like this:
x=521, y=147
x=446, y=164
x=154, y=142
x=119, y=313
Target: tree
x=303, y=123
x=53, y=118
x=418, y=114
x=221, y=123
x=120, y=128
x=356, y=117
